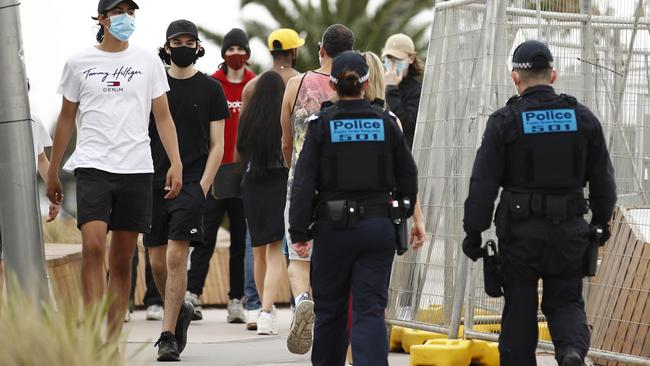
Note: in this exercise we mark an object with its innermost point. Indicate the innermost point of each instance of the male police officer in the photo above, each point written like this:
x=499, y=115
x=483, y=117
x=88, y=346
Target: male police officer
x=542, y=148
x=354, y=155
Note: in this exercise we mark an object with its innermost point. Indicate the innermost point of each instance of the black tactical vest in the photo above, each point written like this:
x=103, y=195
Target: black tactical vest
x=547, y=148
x=357, y=150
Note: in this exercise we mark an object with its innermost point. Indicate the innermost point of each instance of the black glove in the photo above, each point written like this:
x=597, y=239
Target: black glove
x=606, y=234
x=472, y=246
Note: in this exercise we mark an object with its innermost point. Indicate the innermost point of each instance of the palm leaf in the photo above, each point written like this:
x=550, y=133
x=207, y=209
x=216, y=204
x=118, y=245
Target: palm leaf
x=276, y=9
x=387, y=11
x=206, y=34
x=298, y=6
x=325, y=10
x=311, y=18
x=343, y=10
x=416, y=8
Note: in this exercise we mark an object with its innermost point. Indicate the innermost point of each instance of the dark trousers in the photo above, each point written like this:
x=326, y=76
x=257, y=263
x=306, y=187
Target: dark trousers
x=538, y=250
x=201, y=255
x=151, y=295
x=565, y=312
x=356, y=261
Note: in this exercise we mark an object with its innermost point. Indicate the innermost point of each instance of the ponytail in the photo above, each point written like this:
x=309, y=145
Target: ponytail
x=349, y=84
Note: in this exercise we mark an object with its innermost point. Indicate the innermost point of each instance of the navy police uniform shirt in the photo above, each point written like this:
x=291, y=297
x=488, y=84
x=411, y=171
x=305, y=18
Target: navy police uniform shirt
x=307, y=190
x=491, y=169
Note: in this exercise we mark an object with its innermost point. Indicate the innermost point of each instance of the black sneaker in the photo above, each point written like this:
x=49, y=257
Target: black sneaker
x=167, y=347
x=572, y=358
x=182, y=323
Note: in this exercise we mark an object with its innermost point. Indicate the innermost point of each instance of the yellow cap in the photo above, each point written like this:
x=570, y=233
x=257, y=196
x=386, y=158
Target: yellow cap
x=399, y=46
x=288, y=39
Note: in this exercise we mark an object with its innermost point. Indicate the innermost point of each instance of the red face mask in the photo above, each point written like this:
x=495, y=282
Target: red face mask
x=236, y=61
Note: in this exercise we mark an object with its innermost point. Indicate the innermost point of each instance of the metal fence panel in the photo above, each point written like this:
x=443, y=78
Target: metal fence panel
x=601, y=51
x=422, y=284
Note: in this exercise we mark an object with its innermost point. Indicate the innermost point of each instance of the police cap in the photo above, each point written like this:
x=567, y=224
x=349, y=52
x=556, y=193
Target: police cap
x=532, y=55
x=349, y=61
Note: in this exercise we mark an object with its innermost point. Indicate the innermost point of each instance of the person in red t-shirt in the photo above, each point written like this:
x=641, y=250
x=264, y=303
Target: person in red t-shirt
x=233, y=76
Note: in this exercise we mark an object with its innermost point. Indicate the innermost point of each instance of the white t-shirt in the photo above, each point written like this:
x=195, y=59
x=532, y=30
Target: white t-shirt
x=40, y=136
x=114, y=91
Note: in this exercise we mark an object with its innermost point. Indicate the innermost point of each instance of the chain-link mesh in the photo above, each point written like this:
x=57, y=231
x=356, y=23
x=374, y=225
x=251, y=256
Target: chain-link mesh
x=601, y=52
x=423, y=282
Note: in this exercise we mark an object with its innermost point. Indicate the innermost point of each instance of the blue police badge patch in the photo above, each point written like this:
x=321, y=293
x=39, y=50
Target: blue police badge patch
x=357, y=130
x=549, y=121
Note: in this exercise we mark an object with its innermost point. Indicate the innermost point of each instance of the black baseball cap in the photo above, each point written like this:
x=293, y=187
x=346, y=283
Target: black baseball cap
x=182, y=26
x=532, y=55
x=105, y=5
x=349, y=61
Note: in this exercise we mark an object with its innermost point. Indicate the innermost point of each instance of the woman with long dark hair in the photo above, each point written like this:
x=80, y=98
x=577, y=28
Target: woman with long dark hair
x=264, y=190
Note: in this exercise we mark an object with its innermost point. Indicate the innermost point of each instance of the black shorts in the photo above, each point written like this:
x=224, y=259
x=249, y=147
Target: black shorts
x=123, y=201
x=178, y=219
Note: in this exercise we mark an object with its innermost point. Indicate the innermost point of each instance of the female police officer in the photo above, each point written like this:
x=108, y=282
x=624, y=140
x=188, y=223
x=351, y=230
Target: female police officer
x=354, y=162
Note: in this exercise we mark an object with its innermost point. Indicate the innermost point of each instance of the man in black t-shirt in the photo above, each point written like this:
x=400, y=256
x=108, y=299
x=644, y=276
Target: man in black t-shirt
x=199, y=107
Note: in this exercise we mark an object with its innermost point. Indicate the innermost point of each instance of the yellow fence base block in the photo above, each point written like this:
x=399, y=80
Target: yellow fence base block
x=435, y=314
x=432, y=314
x=544, y=333
x=483, y=328
x=412, y=337
x=485, y=353
x=395, y=344
x=455, y=352
x=442, y=352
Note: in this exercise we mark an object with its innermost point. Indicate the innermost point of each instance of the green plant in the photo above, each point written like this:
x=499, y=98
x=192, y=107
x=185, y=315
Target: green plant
x=36, y=334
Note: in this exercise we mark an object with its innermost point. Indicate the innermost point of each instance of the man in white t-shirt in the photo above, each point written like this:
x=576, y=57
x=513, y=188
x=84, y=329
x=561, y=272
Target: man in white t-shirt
x=110, y=90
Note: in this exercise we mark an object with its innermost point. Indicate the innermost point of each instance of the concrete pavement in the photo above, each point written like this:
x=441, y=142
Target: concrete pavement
x=212, y=341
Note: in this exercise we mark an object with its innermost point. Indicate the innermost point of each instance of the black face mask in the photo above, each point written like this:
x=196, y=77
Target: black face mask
x=183, y=56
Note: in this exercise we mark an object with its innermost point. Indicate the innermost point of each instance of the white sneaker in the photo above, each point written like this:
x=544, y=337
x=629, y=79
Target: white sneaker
x=236, y=312
x=267, y=323
x=127, y=316
x=300, y=335
x=194, y=299
x=155, y=312
x=251, y=319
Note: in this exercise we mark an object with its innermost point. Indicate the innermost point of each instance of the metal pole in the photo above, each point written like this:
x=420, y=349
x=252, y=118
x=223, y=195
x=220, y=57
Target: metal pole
x=587, y=53
x=19, y=212
x=538, y=8
x=459, y=295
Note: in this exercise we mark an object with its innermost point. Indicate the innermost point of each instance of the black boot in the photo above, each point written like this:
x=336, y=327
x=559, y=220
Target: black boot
x=167, y=347
x=572, y=358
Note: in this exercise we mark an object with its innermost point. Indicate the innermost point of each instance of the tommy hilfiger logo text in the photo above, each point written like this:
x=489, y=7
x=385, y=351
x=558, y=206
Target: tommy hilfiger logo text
x=123, y=72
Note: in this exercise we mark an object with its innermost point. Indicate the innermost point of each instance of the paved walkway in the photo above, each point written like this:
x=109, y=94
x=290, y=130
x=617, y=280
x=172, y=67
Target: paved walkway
x=212, y=341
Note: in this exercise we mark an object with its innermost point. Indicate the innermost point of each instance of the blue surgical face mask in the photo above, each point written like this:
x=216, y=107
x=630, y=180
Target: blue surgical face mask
x=400, y=65
x=122, y=26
